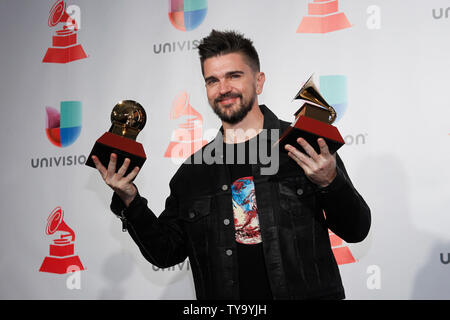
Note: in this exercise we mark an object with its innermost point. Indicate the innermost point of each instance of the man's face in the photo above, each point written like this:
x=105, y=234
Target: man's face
x=231, y=86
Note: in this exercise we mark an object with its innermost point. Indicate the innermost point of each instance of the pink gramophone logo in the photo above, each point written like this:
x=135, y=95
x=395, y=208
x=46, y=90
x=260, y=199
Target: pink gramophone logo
x=188, y=137
x=323, y=17
x=64, y=43
x=62, y=258
x=342, y=253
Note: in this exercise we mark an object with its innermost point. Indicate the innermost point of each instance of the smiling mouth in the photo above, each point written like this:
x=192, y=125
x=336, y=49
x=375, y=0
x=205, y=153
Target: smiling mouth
x=227, y=99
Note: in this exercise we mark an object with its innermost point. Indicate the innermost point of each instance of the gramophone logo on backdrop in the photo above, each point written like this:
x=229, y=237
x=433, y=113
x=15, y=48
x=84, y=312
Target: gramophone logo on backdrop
x=186, y=15
x=188, y=137
x=323, y=17
x=63, y=126
x=64, y=42
x=342, y=253
x=62, y=258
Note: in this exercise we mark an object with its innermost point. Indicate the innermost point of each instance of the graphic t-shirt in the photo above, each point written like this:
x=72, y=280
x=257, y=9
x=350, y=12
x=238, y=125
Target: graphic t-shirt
x=253, y=280
x=245, y=211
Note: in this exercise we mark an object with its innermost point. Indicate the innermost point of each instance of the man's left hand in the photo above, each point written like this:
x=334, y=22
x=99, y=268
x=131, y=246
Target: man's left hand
x=319, y=168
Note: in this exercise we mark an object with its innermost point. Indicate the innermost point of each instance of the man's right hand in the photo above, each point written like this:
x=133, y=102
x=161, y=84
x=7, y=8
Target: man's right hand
x=122, y=185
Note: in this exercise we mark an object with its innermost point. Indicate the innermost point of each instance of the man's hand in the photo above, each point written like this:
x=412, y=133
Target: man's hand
x=319, y=168
x=121, y=185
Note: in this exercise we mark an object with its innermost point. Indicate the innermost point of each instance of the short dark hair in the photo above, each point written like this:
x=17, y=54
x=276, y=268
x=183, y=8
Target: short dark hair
x=223, y=42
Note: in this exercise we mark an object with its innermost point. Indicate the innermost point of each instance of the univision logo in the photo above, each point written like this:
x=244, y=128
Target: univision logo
x=63, y=126
x=440, y=14
x=187, y=15
x=333, y=88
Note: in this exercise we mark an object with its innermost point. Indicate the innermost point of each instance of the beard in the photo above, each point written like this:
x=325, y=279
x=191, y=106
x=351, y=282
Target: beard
x=237, y=115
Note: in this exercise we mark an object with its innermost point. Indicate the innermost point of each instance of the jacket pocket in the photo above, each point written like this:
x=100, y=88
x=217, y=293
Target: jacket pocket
x=296, y=193
x=196, y=215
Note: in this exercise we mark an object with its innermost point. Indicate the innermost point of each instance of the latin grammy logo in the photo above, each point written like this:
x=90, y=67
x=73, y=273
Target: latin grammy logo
x=62, y=259
x=64, y=43
x=323, y=17
x=342, y=254
x=188, y=137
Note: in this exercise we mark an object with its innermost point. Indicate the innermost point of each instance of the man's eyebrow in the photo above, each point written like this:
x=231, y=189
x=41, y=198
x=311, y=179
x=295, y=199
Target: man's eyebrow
x=210, y=78
x=229, y=73
x=233, y=72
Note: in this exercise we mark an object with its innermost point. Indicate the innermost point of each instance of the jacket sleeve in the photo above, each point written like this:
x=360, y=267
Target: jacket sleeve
x=346, y=212
x=161, y=239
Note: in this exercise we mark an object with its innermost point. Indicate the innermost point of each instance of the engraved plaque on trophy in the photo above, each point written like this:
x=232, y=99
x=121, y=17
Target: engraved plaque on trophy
x=313, y=120
x=128, y=118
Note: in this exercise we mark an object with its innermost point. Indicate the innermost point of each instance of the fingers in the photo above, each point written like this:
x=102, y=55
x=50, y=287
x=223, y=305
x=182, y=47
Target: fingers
x=130, y=177
x=311, y=160
x=319, y=168
x=112, y=165
x=323, y=147
x=302, y=159
x=124, y=167
x=110, y=172
x=99, y=166
x=308, y=149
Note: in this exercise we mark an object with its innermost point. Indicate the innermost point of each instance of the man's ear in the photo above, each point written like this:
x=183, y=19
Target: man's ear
x=260, y=79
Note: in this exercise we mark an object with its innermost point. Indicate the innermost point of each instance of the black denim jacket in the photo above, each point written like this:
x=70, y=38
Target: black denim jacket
x=294, y=229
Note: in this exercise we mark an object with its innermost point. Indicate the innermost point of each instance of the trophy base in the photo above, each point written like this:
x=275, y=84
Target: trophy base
x=311, y=129
x=323, y=24
x=64, y=55
x=123, y=147
x=60, y=265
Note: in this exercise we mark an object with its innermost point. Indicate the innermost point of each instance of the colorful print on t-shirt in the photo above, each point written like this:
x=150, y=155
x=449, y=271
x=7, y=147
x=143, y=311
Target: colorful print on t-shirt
x=245, y=211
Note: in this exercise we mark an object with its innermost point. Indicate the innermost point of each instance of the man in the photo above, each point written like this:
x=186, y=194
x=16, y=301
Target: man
x=247, y=235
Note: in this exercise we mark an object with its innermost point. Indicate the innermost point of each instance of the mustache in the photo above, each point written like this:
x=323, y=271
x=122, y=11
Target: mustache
x=226, y=96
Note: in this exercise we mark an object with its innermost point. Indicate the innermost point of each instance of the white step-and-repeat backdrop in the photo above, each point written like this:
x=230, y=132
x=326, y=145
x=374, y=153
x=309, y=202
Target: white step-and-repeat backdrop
x=383, y=64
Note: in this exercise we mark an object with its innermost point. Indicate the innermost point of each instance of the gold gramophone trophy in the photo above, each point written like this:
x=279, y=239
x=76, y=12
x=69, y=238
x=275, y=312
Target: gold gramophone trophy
x=313, y=120
x=128, y=118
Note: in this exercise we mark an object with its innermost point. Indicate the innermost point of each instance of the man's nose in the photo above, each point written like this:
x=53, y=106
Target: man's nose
x=224, y=86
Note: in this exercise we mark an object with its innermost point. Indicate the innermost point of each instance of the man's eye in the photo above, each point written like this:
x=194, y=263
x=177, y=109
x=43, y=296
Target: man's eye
x=235, y=75
x=211, y=81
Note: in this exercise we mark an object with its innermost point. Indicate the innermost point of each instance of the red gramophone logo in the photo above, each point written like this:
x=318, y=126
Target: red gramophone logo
x=62, y=258
x=188, y=137
x=341, y=252
x=323, y=17
x=64, y=43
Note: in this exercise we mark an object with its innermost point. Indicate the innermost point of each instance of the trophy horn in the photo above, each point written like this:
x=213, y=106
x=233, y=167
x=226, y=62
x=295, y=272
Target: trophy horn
x=309, y=92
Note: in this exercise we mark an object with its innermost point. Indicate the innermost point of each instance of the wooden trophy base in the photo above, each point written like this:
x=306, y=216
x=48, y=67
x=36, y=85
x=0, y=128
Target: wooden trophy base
x=311, y=129
x=124, y=148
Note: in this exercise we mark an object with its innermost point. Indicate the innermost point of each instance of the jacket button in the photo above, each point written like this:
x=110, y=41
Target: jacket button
x=229, y=252
x=226, y=222
x=299, y=191
x=224, y=187
x=192, y=214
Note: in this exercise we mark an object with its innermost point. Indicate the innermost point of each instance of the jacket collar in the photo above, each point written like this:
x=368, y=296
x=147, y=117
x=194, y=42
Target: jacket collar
x=271, y=121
